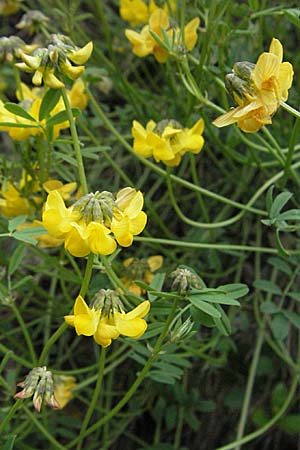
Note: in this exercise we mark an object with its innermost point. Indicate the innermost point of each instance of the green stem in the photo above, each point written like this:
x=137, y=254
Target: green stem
x=221, y=247
x=26, y=334
x=9, y=415
x=64, y=326
x=76, y=144
x=94, y=399
x=137, y=382
x=18, y=359
x=250, y=383
x=271, y=422
x=290, y=109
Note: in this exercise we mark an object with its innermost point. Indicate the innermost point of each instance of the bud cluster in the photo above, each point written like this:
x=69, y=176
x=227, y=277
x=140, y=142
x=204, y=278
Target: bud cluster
x=39, y=383
x=107, y=302
x=184, y=280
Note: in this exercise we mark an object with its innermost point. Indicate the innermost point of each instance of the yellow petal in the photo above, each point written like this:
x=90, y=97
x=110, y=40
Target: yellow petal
x=267, y=66
x=138, y=223
x=99, y=240
x=86, y=324
x=70, y=320
x=82, y=55
x=139, y=311
x=276, y=48
x=80, y=306
x=155, y=262
x=132, y=328
x=75, y=242
x=105, y=332
x=190, y=33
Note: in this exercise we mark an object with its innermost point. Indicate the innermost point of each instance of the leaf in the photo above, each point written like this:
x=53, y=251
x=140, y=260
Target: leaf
x=290, y=424
x=280, y=264
x=49, y=101
x=16, y=222
x=280, y=327
x=18, y=111
x=292, y=15
x=156, y=284
x=269, y=199
x=202, y=318
x=61, y=117
x=16, y=259
x=223, y=324
x=18, y=125
x=269, y=307
x=24, y=238
x=204, y=306
x=292, y=317
x=9, y=444
x=268, y=286
x=235, y=290
x=279, y=202
x=291, y=214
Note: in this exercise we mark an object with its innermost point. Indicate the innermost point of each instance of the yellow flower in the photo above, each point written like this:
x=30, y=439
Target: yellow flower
x=13, y=204
x=167, y=141
x=87, y=225
x=129, y=219
x=144, y=44
x=140, y=269
x=260, y=96
x=107, y=320
x=57, y=218
x=63, y=386
x=32, y=102
x=48, y=63
x=136, y=12
x=65, y=190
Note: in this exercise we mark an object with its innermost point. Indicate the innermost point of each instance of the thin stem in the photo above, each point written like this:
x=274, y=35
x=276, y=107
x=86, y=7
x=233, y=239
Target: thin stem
x=18, y=359
x=221, y=247
x=250, y=383
x=25, y=333
x=76, y=144
x=94, y=400
x=137, y=382
x=9, y=415
x=290, y=109
x=64, y=326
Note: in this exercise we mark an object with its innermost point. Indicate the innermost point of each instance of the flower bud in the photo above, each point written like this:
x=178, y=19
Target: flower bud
x=184, y=279
x=38, y=383
x=107, y=302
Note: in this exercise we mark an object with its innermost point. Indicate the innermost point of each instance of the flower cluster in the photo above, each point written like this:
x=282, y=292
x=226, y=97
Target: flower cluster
x=136, y=12
x=258, y=89
x=39, y=383
x=32, y=100
x=167, y=141
x=140, y=269
x=50, y=64
x=106, y=319
x=87, y=225
x=159, y=23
